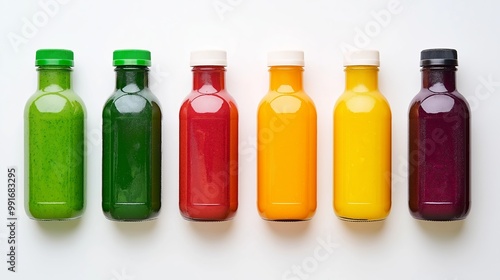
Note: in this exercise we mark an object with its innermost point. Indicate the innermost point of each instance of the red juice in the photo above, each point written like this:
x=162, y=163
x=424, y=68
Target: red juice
x=439, y=142
x=208, y=149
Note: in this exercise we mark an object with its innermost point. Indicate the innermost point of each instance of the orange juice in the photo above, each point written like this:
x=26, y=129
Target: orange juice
x=362, y=143
x=286, y=143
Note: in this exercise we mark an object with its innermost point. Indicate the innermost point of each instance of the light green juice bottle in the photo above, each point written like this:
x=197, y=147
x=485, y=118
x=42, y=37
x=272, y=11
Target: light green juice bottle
x=54, y=119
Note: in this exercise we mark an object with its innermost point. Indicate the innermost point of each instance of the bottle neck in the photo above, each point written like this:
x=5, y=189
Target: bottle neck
x=209, y=79
x=361, y=78
x=285, y=78
x=131, y=78
x=58, y=76
x=439, y=78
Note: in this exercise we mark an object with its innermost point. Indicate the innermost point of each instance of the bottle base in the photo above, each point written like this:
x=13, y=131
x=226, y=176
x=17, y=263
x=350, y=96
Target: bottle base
x=206, y=220
x=435, y=219
x=130, y=220
x=281, y=212
x=286, y=220
x=439, y=212
x=50, y=211
x=131, y=212
x=356, y=220
x=207, y=213
x=55, y=219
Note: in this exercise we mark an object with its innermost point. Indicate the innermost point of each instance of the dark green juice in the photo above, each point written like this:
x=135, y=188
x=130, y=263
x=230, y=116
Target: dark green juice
x=131, y=161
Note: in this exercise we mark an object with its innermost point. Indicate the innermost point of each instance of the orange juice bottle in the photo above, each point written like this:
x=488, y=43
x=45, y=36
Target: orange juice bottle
x=362, y=143
x=286, y=143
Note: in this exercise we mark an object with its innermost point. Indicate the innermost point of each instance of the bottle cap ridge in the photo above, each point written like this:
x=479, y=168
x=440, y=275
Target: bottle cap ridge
x=285, y=58
x=208, y=58
x=132, y=58
x=362, y=58
x=54, y=57
x=439, y=57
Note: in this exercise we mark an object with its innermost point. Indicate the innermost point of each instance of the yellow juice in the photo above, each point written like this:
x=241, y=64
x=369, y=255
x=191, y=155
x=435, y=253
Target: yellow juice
x=286, y=148
x=362, y=148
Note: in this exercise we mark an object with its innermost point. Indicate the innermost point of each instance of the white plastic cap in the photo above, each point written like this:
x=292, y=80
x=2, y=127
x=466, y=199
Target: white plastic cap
x=362, y=57
x=208, y=58
x=285, y=58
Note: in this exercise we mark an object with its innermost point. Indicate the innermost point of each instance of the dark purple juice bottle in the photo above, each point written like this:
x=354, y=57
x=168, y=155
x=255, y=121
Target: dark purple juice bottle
x=439, y=142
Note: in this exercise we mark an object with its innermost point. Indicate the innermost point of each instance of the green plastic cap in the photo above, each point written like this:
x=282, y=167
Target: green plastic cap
x=132, y=58
x=54, y=57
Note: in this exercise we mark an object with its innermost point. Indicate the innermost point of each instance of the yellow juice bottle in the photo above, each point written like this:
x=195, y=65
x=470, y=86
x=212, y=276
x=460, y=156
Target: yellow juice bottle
x=286, y=143
x=362, y=143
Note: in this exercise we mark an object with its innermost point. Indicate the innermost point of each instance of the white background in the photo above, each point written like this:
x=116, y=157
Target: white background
x=248, y=247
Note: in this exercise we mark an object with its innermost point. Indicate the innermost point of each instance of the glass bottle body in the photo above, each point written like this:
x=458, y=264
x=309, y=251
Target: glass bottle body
x=286, y=149
x=362, y=148
x=208, y=149
x=439, y=148
x=54, y=148
x=131, y=159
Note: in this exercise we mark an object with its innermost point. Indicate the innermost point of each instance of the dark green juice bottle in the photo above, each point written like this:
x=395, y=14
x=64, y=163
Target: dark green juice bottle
x=131, y=152
x=54, y=133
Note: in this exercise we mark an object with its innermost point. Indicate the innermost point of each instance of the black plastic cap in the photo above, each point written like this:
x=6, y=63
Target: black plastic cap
x=438, y=57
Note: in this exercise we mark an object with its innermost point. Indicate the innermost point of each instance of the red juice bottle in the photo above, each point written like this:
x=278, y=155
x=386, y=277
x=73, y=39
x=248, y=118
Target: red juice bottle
x=208, y=144
x=439, y=142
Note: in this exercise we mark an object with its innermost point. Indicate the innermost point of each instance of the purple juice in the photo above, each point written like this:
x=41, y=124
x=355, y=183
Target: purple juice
x=439, y=142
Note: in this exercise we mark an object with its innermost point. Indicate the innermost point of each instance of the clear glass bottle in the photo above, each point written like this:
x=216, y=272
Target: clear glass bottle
x=208, y=143
x=362, y=143
x=439, y=142
x=131, y=135
x=286, y=143
x=54, y=119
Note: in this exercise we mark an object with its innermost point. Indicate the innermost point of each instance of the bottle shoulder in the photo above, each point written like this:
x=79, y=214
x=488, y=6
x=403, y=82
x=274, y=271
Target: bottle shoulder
x=63, y=102
x=219, y=102
x=223, y=95
x=136, y=102
x=430, y=102
x=145, y=93
x=287, y=102
x=362, y=102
